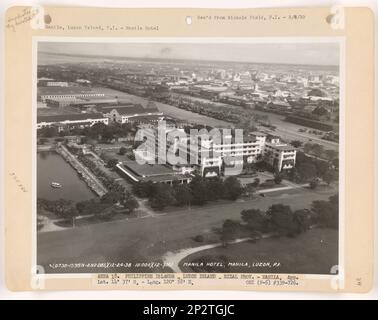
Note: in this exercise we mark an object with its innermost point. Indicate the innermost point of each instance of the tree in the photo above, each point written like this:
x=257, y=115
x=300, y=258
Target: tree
x=112, y=163
x=183, y=195
x=321, y=167
x=306, y=171
x=320, y=111
x=314, y=183
x=330, y=176
x=215, y=188
x=232, y=188
x=256, y=219
x=111, y=197
x=327, y=212
x=80, y=206
x=281, y=220
x=122, y=151
x=144, y=189
x=61, y=206
x=107, y=136
x=70, y=213
x=127, y=127
x=84, y=140
x=277, y=178
x=296, y=143
x=162, y=197
x=229, y=231
x=129, y=202
x=48, y=132
x=302, y=220
x=92, y=206
x=199, y=190
x=96, y=130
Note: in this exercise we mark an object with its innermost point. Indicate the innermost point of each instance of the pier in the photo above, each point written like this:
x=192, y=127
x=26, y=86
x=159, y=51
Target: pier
x=91, y=180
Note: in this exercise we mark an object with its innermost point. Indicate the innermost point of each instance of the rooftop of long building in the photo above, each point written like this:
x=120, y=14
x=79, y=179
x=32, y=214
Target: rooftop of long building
x=44, y=91
x=281, y=146
x=72, y=117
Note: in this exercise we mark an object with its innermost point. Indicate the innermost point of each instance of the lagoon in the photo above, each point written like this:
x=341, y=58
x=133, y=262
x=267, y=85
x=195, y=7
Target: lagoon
x=52, y=167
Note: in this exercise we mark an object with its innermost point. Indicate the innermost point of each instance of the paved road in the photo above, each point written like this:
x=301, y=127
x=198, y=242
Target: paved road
x=148, y=239
x=289, y=131
x=286, y=130
x=293, y=135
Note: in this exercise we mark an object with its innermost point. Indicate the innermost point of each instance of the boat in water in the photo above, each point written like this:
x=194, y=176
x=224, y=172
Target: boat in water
x=56, y=185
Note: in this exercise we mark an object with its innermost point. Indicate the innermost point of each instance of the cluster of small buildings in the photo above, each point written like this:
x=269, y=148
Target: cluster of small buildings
x=275, y=89
x=271, y=96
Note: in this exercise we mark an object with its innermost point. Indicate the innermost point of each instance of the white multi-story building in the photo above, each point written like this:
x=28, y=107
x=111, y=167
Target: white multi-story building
x=71, y=120
x=248, y=149
x=213, y=154
x=256, y=147
x=208, y=155
x=280, y=155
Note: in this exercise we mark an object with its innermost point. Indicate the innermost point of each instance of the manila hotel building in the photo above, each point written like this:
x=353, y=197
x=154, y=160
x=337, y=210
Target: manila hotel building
x=210, y=155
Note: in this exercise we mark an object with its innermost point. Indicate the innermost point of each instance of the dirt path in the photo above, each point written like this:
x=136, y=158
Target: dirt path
x=146, y=211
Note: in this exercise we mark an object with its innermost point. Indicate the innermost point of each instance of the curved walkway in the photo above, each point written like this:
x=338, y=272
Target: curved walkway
x=173, y=259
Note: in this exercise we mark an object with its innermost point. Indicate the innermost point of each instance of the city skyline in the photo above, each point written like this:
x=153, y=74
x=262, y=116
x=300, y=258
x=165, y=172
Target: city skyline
x=326, y=54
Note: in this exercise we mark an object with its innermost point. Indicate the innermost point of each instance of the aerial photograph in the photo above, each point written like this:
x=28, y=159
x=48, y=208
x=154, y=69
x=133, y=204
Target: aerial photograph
x=187, y=157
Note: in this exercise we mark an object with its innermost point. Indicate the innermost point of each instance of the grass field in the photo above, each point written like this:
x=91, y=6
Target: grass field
x=149, y=238
x=313, y=252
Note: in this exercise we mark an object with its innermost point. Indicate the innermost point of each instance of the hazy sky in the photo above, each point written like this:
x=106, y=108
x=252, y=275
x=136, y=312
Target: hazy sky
x=298, y=53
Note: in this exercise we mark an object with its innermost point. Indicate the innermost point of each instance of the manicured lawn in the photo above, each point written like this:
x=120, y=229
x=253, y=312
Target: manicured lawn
x=149, y=238
x=313, y=252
